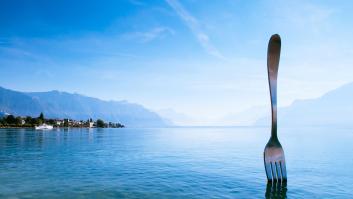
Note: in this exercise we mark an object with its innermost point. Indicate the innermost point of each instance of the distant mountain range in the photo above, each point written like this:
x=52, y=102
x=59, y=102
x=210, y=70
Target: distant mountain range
x=246, y=117
x=334, y=108
x=55, y=104
x=175, y=118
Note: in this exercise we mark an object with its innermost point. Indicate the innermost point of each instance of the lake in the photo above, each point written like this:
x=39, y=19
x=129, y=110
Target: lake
x=209, y=162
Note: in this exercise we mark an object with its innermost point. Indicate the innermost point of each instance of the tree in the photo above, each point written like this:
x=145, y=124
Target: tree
x=100, y=123
x=66, y=122
x=41, y=116
x=10, y=119
x=18, y=120
x=51, y=122
x=28, y=119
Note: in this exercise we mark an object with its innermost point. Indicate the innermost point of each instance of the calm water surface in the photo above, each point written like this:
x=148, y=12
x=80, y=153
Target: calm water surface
x=172, y=163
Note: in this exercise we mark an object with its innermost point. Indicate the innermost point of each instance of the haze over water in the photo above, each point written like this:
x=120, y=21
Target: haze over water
x=171, y=162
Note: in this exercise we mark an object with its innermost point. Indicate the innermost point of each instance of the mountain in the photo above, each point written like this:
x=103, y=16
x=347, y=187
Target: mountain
x=55, y=104
x=333, y=108
x=175, y=118
x=244, y=118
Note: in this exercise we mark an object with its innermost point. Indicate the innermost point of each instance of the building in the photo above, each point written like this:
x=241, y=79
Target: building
x=59, y=122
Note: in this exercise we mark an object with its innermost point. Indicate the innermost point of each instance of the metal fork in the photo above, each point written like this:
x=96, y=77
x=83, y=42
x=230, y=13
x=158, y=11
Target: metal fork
x=275, y=164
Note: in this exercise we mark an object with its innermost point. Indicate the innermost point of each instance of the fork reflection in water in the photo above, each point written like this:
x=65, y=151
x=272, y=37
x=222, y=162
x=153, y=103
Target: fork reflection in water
x=276, y=190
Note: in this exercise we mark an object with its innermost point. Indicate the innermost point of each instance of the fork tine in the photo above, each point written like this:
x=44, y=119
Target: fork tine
x=279, y=171
x=283, y=170
x=268, y=171
x=273, y=171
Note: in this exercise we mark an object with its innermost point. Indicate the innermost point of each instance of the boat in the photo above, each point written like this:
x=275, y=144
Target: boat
x=44, y=127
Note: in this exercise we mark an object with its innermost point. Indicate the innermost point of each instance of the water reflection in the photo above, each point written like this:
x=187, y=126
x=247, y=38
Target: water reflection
x=276, y=190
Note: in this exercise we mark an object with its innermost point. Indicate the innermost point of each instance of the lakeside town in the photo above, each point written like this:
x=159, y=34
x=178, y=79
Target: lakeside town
x=11, y=121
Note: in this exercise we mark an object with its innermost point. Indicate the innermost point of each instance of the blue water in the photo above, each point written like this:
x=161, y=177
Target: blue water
x=172, y=163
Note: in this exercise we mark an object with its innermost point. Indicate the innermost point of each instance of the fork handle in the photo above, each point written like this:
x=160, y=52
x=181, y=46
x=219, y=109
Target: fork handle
x=273, y=56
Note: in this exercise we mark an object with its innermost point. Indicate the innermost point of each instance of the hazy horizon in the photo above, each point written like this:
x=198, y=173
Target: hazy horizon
x=200, y=61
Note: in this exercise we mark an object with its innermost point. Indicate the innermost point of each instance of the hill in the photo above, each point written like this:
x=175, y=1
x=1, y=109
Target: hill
x=55, y=104
x=333, y=108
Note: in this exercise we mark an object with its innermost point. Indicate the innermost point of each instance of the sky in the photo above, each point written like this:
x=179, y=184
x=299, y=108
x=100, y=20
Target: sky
x=199, y=59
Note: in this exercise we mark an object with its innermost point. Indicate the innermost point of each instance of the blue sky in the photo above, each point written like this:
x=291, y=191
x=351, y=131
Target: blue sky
x=205, y=59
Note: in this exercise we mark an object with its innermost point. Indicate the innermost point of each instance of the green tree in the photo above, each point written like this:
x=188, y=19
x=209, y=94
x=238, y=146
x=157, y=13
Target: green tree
x=66, y=122
x=1, y=121
x=40, y=119
x=10, y=119
x=100, y=123
x=18, y=121
x=51, y=121
x=28, y=120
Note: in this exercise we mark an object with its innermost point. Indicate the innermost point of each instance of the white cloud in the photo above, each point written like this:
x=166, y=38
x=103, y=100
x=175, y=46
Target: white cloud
x=148, y=36
x=195, y=27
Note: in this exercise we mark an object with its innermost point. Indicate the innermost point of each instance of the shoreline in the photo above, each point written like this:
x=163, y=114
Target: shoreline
x=13, y=127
